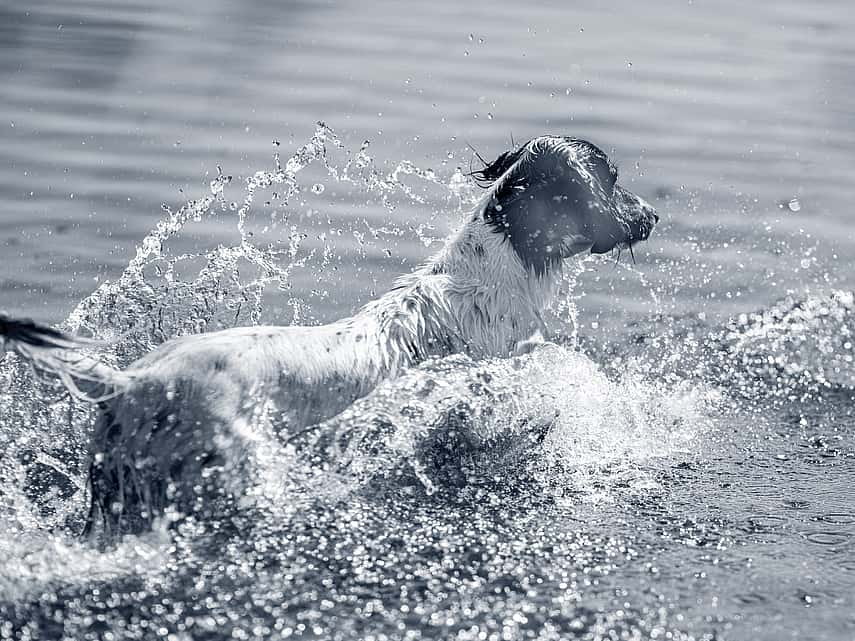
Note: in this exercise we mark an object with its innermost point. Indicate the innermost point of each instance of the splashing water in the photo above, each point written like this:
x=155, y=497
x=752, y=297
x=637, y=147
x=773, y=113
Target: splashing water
x=229, y=286
x=551, y=416
x=149, y=303
x=162, y=294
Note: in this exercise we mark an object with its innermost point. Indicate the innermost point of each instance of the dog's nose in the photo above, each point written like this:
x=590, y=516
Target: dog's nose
x=650, y=211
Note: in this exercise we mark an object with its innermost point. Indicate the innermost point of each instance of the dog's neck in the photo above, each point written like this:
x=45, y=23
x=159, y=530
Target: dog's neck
x=475, y=296
x=484, y=257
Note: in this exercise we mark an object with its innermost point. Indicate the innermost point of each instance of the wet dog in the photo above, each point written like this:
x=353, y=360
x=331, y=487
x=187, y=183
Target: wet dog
x=187, y=401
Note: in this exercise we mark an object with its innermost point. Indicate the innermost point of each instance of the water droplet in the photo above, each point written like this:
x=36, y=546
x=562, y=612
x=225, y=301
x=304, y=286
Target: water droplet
x=489, y=116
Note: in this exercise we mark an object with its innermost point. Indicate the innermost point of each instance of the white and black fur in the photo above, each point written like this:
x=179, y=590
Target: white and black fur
x=483, y=294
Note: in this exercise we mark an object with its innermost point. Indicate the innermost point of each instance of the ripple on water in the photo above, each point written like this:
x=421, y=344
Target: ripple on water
x=766, y=528
x=765, y=523
x=827, y=537
x=750, y=598
x=843, y=518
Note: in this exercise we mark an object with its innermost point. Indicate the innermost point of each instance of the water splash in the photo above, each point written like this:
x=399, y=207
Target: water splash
x=795, y=350
x=567, y=310
x=163, y=293
x=43, y=559
x=136, y=312
x=552, y=415
x=804, y=341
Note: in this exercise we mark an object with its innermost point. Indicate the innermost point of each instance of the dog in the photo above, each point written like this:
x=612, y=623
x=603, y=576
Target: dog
x=482, y=295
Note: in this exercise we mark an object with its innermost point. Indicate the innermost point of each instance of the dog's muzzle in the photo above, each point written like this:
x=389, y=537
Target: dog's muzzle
x=639, y=215
x=645, y=221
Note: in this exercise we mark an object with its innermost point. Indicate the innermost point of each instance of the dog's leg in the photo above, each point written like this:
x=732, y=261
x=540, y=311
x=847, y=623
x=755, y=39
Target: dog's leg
x=540, y=336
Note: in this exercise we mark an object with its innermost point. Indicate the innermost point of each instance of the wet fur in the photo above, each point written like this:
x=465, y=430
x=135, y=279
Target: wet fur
x=196, y=397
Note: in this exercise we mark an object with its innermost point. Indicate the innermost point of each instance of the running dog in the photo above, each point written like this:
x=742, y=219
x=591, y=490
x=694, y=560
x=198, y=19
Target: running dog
x=483, y=295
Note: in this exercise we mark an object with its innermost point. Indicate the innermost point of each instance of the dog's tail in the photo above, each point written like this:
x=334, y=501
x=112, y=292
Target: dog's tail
x=56, y=352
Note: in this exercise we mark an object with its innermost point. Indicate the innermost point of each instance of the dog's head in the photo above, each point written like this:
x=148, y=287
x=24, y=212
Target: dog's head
x=558, y=196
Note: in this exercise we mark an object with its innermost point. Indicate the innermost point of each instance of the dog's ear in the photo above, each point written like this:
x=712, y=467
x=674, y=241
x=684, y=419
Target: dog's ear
x=607, y=175
x=598, y=164
x=544, y=174
x=542, y=201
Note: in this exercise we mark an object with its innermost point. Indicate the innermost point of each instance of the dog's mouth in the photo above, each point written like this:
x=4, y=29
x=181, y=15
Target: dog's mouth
x=632, y=220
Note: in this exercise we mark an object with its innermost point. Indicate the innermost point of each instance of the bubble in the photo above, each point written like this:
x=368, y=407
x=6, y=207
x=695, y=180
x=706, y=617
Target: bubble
x=794, y=204
x=317, y=188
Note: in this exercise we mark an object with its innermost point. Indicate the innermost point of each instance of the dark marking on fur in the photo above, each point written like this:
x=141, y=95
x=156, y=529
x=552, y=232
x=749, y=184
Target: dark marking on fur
x=221, y=364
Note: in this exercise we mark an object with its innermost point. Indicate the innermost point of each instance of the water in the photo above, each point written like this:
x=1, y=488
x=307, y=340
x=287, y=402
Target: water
x=681, y=466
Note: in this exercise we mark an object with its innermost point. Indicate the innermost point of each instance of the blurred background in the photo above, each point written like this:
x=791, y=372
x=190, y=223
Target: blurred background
x=734, y=118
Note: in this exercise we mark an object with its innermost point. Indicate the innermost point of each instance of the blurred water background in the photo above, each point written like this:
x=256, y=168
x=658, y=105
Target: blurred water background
x=733, y=118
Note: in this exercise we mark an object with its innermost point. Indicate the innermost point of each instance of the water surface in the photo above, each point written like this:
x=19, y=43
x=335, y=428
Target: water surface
x=699, y=486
